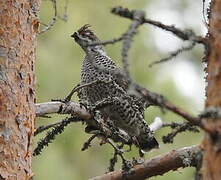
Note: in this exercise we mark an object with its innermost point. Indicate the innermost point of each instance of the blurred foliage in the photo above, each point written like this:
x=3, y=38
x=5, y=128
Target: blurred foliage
x=58, y=70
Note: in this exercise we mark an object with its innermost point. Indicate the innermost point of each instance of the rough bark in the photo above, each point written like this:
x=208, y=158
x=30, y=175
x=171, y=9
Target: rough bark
x=18, y=30
x=211, y=144
x=159, y=165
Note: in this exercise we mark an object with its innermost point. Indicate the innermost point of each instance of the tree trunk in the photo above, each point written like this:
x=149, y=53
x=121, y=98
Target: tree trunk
x=211, y=167
x=18, y=30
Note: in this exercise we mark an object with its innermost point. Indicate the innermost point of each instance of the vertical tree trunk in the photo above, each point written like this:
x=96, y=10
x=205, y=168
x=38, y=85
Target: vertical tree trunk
x=211, y=167
x=18, y=28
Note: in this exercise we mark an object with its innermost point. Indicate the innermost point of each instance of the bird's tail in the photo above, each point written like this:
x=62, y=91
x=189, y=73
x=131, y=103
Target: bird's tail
x=148, y=143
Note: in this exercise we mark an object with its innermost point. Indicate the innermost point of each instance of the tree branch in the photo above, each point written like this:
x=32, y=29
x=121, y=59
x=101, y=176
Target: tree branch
x=76, y=109
x=62, y=108
x=184, y=35
x=159, y=100
x=174, y=54
x=112, y=41
x=158, y=165
x=53, y=20
x=128, y=37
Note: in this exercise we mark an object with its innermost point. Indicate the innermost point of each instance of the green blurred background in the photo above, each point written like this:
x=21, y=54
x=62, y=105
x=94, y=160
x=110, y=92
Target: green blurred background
x=58, y=65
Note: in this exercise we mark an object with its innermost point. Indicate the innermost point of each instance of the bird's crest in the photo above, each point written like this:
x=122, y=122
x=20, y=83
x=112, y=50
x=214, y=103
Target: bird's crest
x=86, y=31
x=84, y=28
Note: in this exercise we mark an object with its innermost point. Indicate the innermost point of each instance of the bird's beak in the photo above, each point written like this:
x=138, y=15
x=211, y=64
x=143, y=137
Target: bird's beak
x=75, y=36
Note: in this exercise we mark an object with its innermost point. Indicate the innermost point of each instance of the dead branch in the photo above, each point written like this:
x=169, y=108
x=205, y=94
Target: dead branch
x=158, y=165
x=174, y=54
x=132, y=30
x=112, y=41
x=72, y=108
x=64, y=17
x=41, y=129
x=212, y=112
x=76, y=109
x=178, y=128
x=53, y=133
x=159, y=100
x=184, y=35
x=53, y=20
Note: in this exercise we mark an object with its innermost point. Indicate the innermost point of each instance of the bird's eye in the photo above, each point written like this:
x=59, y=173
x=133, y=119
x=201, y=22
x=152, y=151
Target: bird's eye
x=85, y=34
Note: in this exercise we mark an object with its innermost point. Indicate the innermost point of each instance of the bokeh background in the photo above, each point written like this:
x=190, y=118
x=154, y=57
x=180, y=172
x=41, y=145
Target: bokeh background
x=58, y=66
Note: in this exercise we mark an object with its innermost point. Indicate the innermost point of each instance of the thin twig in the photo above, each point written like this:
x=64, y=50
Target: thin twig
x=53, y=20
x=41, y=129
x=87, y=144
x=178, y=128
x=52, y=134
x=64, y=17
x=113, y=162
x=174, y=54
x=55, y=17
x=112, y=41
x=78, y=87
x=126, y=165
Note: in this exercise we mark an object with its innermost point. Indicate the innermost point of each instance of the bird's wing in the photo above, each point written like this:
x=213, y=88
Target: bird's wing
x=105, y=65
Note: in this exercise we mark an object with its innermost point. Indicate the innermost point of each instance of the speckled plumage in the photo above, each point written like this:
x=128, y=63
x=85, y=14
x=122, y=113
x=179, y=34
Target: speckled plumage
x=123, y=112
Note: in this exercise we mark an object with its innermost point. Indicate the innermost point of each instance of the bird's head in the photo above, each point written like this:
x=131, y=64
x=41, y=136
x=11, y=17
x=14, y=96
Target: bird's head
x=84, y=37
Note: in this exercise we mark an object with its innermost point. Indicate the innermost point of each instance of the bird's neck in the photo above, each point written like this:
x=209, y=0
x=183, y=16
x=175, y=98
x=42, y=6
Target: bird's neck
x=95, y=50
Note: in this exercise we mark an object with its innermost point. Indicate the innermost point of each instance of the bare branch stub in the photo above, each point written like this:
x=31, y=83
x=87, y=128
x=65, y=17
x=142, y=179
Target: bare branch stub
x=211, y=112
x=72, y=108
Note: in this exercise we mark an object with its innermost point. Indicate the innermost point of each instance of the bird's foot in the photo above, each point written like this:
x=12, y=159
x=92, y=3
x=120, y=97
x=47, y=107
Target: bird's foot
x=127, y=169
x=137, y=161
x=85, y=104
